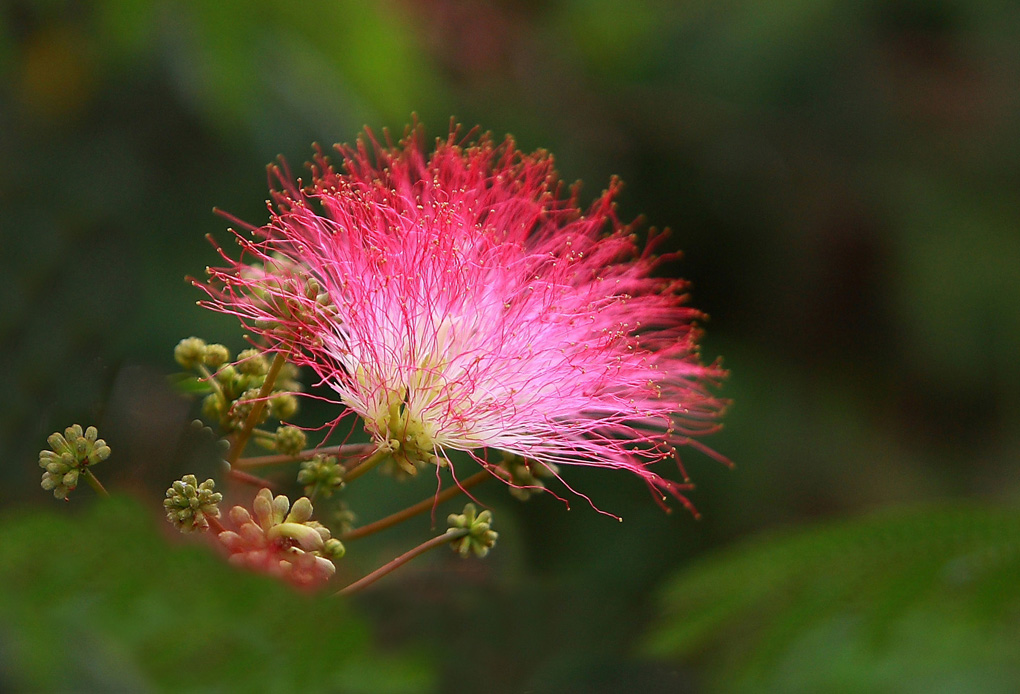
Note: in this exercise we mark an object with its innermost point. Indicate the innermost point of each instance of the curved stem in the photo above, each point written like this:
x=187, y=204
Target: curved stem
x=420, y=507
x=94, y=482
x=256, y=411
x=279, y=458
x=439, y=540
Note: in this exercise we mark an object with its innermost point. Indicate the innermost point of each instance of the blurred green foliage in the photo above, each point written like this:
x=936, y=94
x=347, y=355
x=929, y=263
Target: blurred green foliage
x=841, y=176
x=102, y=601
x=918, y=600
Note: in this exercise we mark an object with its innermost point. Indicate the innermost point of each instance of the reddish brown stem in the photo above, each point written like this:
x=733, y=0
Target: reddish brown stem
x=438, y=541
x=421, y=507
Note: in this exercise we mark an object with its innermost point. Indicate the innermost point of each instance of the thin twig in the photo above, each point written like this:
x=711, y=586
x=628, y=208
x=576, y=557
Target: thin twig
x=420, y=507
x=447, y=537
x=280, y=458
x=94, y=482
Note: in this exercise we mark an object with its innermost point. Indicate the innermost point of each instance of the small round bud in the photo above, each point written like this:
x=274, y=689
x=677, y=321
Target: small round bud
x=212, y=406
x=216, y=355
x=284, y=406
x=190, y=352
x=252, y=363
x=189, y=504
x=480, y=538
x=321, y=476
x=242, y=407
x=333, y=549
x=290, y=440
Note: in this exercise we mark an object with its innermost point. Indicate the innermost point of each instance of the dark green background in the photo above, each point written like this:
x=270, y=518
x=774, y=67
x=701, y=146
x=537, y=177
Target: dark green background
x=842, y=177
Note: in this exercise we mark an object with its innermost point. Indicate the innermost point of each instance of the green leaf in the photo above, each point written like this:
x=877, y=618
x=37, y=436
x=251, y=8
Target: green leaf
x=103, y=601
x=909, y=600
x=189, y=384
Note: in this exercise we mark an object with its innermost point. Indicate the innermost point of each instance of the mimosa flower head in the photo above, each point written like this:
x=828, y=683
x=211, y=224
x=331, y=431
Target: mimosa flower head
x=463, y=300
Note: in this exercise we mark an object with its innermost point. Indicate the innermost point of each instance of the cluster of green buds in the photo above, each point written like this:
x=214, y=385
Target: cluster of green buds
x=287, y=439
x=524, y=477
x=189, y=505
x=321, y=476
x=282, y=540
x=480, y=537
x=232, y=387
x=69, y=457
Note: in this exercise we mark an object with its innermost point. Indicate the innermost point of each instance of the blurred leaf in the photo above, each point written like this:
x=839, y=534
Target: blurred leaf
x=898, y=601
x=189, y=384
x=102, y=602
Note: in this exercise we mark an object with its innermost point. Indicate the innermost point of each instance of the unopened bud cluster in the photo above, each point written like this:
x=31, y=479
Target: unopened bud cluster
x=282, y=540
x=70, y=454
x=234, y=386
x=189, y=505
x=288, y=440
x=321, y=476
x=480, y=537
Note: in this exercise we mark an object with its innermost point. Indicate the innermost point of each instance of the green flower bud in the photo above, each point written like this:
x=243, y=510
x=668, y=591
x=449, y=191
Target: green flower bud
x=69, y=454
x=242, y=407
x=284, y=406
x=321, y=476
x=333, y=549
x=252, y=362
x=190, y=352
x=216, y=355
x=290, y=440
x=212, y=406
x=263, y=508
x=301, y=511
x=189, y=504
x=281, y=505
x=57, y=442
x=480, y=538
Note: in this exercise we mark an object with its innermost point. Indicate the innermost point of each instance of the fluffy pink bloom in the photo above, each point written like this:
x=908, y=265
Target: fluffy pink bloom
x=459, y=300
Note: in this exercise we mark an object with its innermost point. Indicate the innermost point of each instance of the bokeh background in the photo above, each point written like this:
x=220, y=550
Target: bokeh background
x=843, y=179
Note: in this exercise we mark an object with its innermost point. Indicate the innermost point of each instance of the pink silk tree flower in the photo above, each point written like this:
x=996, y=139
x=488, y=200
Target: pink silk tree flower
x=459, y=300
